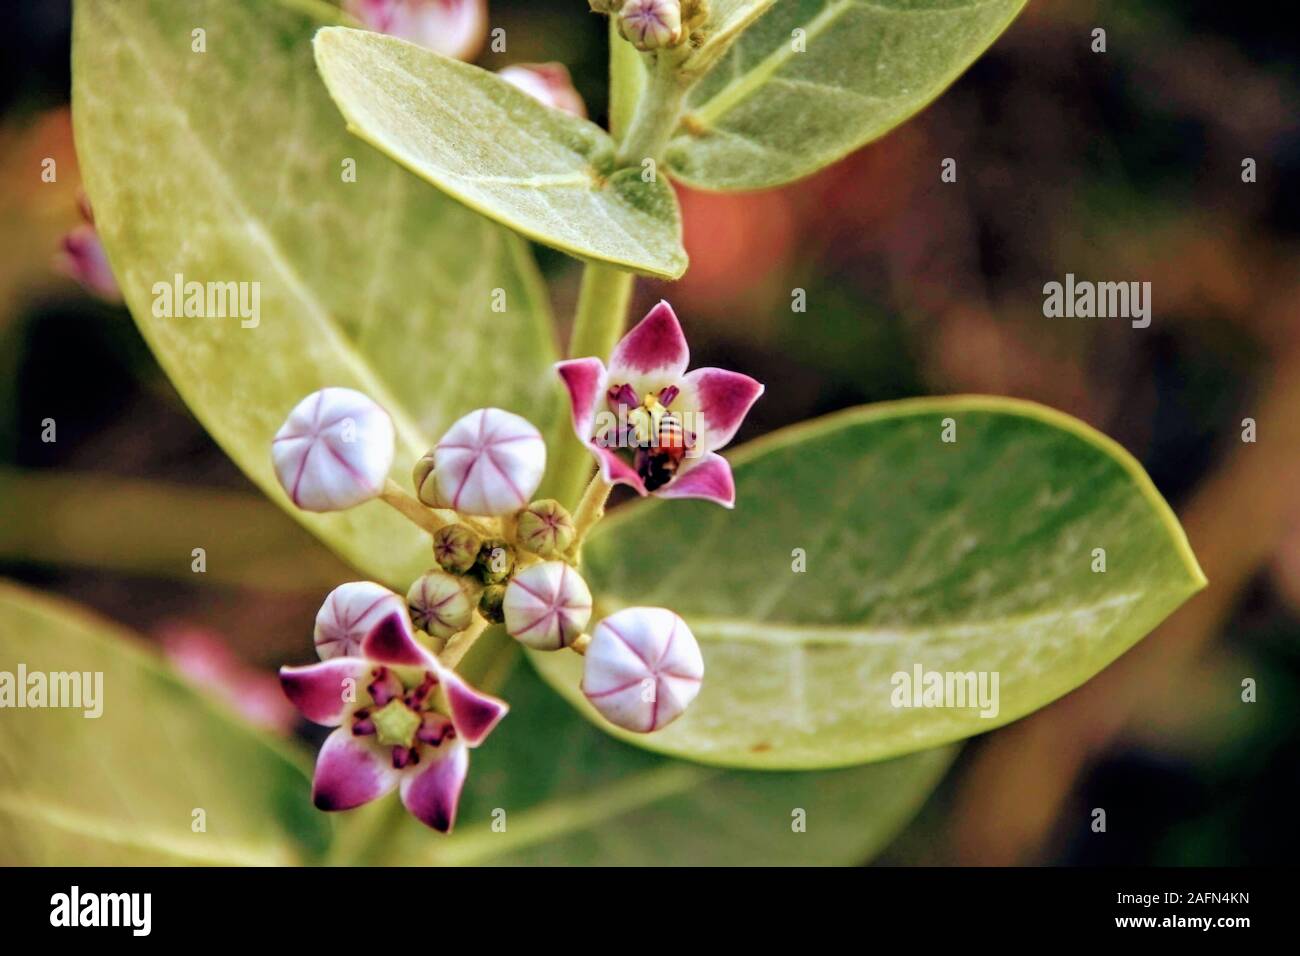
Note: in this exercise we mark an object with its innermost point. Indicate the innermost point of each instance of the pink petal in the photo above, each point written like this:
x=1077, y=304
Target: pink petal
x=548, y=83
x=454, y=28
x=653, y=354
x=615, y=470
x=708, y=477
x=327, y=691
x=473, y=713
x=393, y=642
x=717, y=400
x=350, y=771
x=433, y=792
x=585, y=380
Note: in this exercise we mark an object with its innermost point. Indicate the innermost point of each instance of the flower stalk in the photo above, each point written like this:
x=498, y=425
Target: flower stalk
x=410, y=508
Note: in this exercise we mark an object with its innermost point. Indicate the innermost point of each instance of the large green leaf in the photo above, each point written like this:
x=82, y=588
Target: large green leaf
x=595, y=801
x=122, y=788
x=545, y=173
x=970, y=556
x=227, y=166
x=768, y=113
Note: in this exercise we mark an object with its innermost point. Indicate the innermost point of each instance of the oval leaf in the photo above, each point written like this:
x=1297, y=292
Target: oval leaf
x=812, y=80
x=122, y=788
x=607, y=804
x=233, y=166
x=540, y=171
x=976, y=555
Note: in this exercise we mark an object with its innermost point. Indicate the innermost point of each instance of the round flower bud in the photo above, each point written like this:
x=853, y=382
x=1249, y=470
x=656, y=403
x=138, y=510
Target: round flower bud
x=546, y=606
x=642, y=668
x=349, y=613
x=546, y=528
x=651, y=24
x=489, y=463
x=334, y=450
x=456, y=548
x=490, y=603
x=496, y=560
x=426, y=488
x=439, y=605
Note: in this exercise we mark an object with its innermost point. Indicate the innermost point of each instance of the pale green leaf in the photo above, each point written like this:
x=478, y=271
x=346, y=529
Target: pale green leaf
x=122, y=788
x=595, y=801
x=976, y=555
x=768, y=112
x=228, y=166
x=540, y=171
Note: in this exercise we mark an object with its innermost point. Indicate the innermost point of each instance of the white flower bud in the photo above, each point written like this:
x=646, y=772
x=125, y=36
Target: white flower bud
x=642, y=668
x=349, y=613
x=489, y=463
x=334, y=450
x=440, y=606
x=547, y=605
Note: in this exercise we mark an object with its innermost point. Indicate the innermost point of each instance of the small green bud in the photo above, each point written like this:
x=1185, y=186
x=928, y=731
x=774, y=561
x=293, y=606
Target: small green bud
x=456, y=547
x=546, y=528
x=496, y=559
x=426, y=487
x=439, y=605
x=490, y=603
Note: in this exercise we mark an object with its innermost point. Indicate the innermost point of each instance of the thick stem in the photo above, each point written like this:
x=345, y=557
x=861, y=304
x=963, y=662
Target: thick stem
x=410, y=507
x=590, y=510
x=657, y=112
x=602, y=313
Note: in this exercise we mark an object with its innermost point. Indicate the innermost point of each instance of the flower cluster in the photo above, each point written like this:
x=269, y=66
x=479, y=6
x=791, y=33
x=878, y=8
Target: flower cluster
x=386, y=677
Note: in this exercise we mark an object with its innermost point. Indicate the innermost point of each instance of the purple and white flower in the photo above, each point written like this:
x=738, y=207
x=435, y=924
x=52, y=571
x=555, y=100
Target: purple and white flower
x=489, y=463
x=547, y=605
x=334, y=450
x=350, y=612
x=548, y=83
x=642, y=668
x=455, y=28
x=651, y=424
x=403, y=721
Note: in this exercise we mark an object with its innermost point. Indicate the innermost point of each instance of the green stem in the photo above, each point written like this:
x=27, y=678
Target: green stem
x=657, y=111
x=602, y=313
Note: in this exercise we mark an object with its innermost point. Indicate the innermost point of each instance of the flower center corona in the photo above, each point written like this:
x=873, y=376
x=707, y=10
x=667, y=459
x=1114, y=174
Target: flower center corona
x=403, y=718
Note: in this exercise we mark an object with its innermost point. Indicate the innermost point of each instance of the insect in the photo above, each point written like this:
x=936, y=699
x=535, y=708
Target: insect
x=658, y=460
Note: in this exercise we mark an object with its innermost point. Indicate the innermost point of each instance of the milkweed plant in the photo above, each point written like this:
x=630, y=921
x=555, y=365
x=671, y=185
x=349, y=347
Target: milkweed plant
x=808, y=601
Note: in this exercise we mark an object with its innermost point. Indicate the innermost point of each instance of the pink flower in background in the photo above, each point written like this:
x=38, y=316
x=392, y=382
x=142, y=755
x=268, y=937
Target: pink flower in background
x=208, y=663
x=403, y=721
x=549, y=83
x=651, y=424
x=81, y=256
x=455, y=28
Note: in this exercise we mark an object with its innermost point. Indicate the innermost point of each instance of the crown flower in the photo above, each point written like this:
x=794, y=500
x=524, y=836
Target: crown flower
x=402, y=720
x=489, y=463
x=546, y=606
x=651, y=424
x=349, y=613
x=455, y=28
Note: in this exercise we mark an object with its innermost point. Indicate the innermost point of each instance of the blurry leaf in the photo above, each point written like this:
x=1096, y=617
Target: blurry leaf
x=144, y=527
x=229, y=166
x=975, y=555
x=595, y=801
x=769, y=112
x=543, y=172
x=121, y=789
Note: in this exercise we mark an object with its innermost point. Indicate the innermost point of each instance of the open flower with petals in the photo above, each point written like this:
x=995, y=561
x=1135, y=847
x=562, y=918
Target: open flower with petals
x=403, y=721
x=455, y=28
x=650, y=423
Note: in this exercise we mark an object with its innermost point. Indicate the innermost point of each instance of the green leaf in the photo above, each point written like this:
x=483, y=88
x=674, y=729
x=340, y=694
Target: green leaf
x=975, y=555
x=598, y=802
x=542, y=172
x=122, y=788
x=228, y=166
x=768, y=113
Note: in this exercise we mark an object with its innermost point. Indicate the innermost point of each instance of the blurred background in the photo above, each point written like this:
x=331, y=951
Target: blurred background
x=1122, y=165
